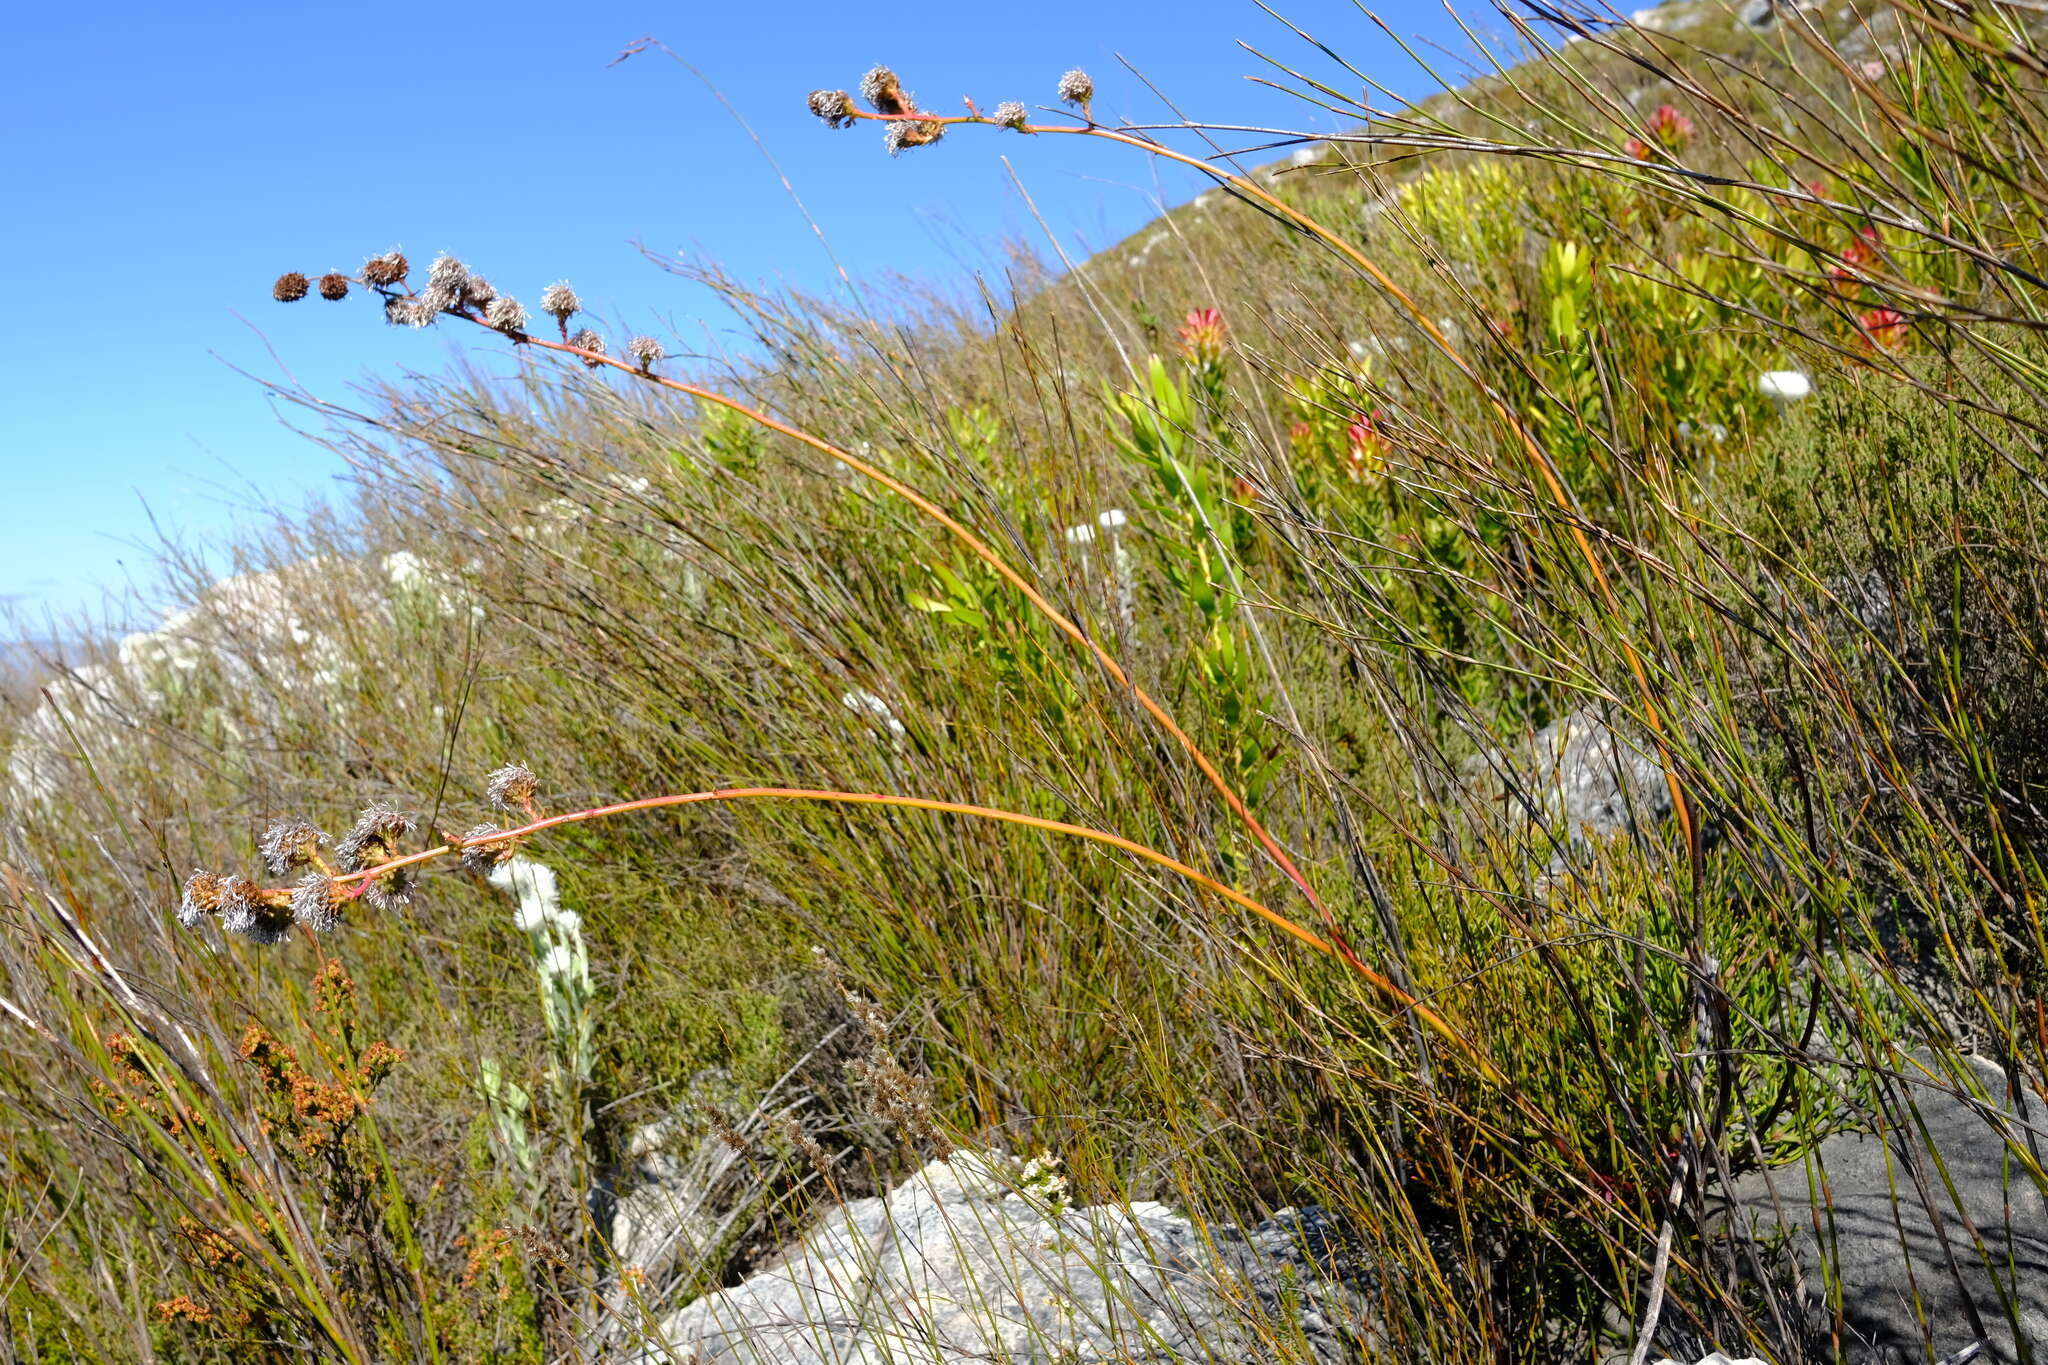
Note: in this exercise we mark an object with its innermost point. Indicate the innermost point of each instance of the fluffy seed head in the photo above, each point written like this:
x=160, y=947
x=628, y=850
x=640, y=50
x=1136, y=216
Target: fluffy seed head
x=833, y=106
x=1076, y=89
x=560, y=300
x=507, y=314
x=645, y=351
x=912, y=133
x=587, y=340
x=441, y=298
x=290, y=844
x=334, y=286
x=392, y=891
x=481, y=853
x=881, y=89
x=373, y=839
x=315, y=904
x=201, y=898
x=243, y=912
x=419, y=310
x=1010, y=114
x=512, y=788
x=386, y=270
x=478, y=292
x=448, y=275
x=290, y=287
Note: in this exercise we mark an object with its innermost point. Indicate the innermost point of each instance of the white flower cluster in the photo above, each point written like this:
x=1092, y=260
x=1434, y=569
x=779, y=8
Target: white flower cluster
x=877, y=712
x=1108, y=527
x=1042, y=1181
x=560, y=963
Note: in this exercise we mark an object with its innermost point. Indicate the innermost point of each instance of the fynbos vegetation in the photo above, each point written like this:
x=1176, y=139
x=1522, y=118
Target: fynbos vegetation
x=1486, y=681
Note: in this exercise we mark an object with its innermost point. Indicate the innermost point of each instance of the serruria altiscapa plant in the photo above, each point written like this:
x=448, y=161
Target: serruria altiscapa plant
x=453, y=292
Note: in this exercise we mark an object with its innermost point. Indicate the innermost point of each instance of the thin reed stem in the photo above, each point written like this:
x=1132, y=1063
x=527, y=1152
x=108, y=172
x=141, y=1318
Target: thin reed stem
x=987, y=554
x=1553, y=483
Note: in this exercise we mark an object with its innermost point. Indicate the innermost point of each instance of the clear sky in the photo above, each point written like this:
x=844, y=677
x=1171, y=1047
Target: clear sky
x=163, y=163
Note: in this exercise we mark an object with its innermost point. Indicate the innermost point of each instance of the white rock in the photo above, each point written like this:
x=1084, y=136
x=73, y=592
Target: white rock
x=955, y=1265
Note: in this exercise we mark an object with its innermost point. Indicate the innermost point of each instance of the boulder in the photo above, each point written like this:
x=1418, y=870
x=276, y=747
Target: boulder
x=1579, y=781
x=1914, y=1271
x=972, y=1259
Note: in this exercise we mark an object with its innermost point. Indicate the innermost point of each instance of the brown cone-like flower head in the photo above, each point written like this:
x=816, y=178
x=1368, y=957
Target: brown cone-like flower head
x=334, y=286
x=373, y=839
x=512, y=788
x=1076, y=89
x=481, y=852
x=912, y=133
x=392, y=891
x=289, y=845
x=243, y=911
x=448, y=275
x=587, y=340
x=316, y=904
x=881, y=89
x=645, y=351
x=290, y=287
x=202, y=898
x=507, y=314
x=833, y=106
x=386, y=270
x=478, y=292
x=559, y=300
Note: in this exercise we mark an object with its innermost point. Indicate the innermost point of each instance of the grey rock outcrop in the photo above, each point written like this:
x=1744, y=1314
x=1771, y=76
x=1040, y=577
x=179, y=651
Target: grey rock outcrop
x=1918, y=1271
x=1577, y=782
x=955, y=1264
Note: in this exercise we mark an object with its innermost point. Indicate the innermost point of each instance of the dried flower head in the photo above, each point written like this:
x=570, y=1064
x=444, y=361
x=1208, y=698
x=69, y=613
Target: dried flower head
x=392, y=891
x=560, y=300
x=334, y=286
x=912, y=133
x=290, y=844
x=587, y=340
x=419, y=310
x=645, y=351
x=478, y=292
x=833, y=106
x=290, y=287
x=316, y=904
x=448, y=275
x=243, y=911
x=373, y=839
x=1076, y=89
x=881, y=89
x=441, y=298
x=481, y=852
x=507, y=314
x=1010, y=114
x=386, y=270
x=512, y=788
x=201, y=898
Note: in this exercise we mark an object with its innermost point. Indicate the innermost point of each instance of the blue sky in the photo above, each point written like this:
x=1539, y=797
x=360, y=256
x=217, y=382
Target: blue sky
x=164, y=163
